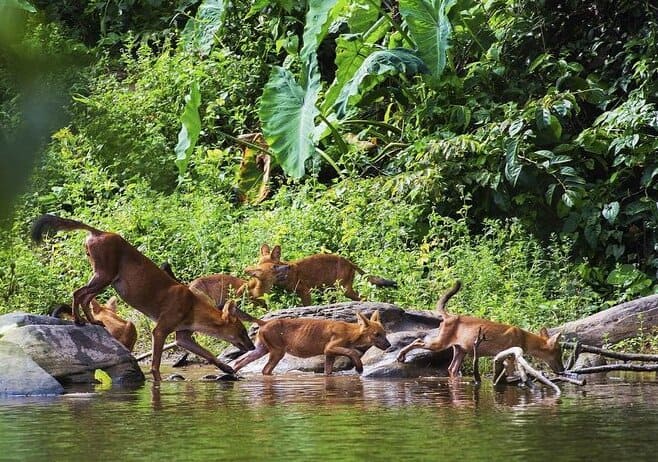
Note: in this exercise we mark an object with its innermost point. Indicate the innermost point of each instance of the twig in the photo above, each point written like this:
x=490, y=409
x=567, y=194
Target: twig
x=615, y=367
x=566, y=378
x=476, y=371
x=613, y=354
x=168, y=346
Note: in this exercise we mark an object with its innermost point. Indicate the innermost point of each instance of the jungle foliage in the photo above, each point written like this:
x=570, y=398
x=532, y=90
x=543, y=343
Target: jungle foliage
x=510, y=143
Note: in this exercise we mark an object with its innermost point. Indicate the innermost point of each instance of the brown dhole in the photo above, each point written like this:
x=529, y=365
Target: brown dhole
x=121, y=329
x=304, y=274
x=460, y=333
x=305, y=337
x=220, y=287
x=141, y=284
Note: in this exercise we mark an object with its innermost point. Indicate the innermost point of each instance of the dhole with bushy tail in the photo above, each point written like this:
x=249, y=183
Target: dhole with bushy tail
x=461, y=332
x=141, y=284
x=315, y=271
x=121, y=329
x=306, y=337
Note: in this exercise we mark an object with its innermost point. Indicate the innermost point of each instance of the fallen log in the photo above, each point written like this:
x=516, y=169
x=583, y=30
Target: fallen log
x=614, y=324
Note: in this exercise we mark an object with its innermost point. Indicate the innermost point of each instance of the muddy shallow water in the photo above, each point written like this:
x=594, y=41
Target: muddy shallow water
x=303, y=417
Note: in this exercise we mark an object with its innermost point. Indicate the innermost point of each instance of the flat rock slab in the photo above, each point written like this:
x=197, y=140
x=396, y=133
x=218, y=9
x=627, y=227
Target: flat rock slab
x=21, y=376
x=68, y=352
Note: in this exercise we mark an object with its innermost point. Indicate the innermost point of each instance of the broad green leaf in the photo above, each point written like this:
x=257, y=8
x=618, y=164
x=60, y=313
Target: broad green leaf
x=549, y=127
x=199, y=32
x=624, y=276
x=430, y=28
x=315, y=30
x=190, y=129
x=512, y=166
x=287, y=114
x=610, y=211
x=103, y=379
x=17, y=4
x=371, y=72
x=351, y=51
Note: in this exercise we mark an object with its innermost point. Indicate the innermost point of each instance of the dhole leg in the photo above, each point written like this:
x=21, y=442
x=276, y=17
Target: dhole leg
x=418, y=343
x=275, y=357
x=305, y=294
x=83, y=296
x=185, y=340
x=457, y=358
x=352, y=354
x=251, y=356
x=159, y=335
x=351, y=293
x=329, y=364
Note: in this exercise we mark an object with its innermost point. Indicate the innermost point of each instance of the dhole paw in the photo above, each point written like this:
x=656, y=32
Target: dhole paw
x=401, y=358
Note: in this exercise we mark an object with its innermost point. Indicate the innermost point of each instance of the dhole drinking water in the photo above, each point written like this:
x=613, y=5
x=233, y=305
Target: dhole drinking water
x=460, y=332
x=141, y=284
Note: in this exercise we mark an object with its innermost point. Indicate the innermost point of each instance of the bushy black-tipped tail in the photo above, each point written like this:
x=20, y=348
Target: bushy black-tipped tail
x=47, y=222
x=381, y=282
x=441, y=304
x=62, y=311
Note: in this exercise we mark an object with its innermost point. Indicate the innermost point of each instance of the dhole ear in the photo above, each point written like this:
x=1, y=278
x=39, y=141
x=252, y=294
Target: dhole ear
x=94, y=303
x=362, y=320
x=554, y=339
x=543, y=333
x=265, y=250
x=112, y=304
x=276, y=253
x=374, y=317
x=229, y=308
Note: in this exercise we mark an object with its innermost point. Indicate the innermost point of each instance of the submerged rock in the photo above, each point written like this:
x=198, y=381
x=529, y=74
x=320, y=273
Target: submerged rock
x=68, y=352
x=402, y=327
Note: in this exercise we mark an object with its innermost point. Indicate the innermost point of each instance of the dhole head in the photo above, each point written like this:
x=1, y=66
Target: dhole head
x=552, y=351
x=269, y=270
x=237, y=334
x=372, y=331
x=270, y=256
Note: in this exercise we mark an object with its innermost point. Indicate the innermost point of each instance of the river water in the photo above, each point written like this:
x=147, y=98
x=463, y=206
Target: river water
x=312, y=417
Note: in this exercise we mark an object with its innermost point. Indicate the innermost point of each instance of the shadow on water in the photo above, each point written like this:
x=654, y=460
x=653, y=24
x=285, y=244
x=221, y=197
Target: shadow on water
x=341, y=417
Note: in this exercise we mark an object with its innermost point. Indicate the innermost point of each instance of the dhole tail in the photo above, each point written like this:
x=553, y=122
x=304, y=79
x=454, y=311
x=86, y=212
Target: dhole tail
x=441, y=304
x=376, y=280
x=47, y=223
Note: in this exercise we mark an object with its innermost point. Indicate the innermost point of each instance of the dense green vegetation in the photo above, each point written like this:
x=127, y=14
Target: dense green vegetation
x=508, y=143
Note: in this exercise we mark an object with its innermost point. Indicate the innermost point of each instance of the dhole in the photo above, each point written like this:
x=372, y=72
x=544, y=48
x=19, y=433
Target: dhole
x=220, y=287
x=304, y=274
x=461, y=332
x=305, y=337
x=141, y=284
x=121, y=329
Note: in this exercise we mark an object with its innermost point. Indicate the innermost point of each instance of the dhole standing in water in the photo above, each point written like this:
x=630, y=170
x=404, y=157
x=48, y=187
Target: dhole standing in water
x=461, y=332
x=141, y=284
x=304, y=274
x=306, y=337
x=121, y=329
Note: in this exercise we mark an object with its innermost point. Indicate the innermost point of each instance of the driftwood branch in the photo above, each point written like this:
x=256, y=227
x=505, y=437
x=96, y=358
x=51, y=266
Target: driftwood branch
x=523, y=367
x=616, y=367
x=612, y=354
x=476, y=371
x=148, y=354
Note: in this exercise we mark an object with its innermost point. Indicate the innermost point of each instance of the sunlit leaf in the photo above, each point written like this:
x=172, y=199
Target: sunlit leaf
x=199, y=32
x=190, y=128
x=610, y=211
x=254, y=173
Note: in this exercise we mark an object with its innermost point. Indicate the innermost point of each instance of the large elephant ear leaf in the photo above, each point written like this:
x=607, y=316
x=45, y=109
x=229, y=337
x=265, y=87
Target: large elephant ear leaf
x=430, y=28
x=373, y=70
x=287, y=114
x=199, y=32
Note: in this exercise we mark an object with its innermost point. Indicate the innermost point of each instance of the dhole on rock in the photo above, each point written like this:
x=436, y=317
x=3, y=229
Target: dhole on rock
x=304, y=274
x=141, y=284
x=460, y=332
x=121, y=329
x=306, y=337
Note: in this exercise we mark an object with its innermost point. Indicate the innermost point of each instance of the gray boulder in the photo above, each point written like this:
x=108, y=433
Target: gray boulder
x=20, y=375
x=68, y=352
